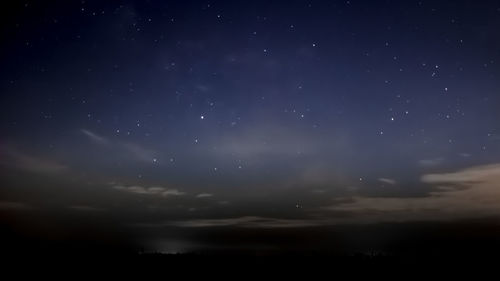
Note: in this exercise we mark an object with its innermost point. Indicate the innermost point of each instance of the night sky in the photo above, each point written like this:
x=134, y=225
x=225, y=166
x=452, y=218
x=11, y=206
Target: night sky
x=178, y=126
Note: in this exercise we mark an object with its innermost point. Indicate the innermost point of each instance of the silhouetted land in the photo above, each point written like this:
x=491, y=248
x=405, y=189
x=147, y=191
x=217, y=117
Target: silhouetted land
x=411, y=247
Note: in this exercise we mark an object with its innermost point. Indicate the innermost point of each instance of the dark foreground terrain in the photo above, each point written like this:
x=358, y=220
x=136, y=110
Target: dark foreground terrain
x=408, y=249
x=78, y=246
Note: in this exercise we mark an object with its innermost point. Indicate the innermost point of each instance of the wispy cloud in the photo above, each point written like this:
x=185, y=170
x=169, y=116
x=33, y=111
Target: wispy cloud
x=136, y=151
x=471, y=176
x=388, y=181
x=95, y=137
x=154, y=190
x=431, y=162
x=173, y=192
x=204, y=195
x=245, y=222
x=14, y=158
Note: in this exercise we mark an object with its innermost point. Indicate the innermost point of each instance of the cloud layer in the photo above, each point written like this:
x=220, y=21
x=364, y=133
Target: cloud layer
x=154, y=190
x=245, y=222
x=472, y=192
x=14, y=158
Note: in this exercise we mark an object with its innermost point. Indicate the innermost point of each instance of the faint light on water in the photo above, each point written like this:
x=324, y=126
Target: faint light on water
x=170, y=247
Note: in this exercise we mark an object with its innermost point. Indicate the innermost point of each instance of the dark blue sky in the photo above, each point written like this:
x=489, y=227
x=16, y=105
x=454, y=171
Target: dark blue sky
x=257, y=114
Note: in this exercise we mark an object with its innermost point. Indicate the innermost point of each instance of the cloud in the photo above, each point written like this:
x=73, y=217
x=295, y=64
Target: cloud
x=388, y=181
x=173, y=192
x=480, y=174
x=468, y=193
x=204, y=195
x=154, y=190
x=244, y=222
x=431, y=162
x=138, y=152
x=11, y=157
x=95, y=137
x=464, y=194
